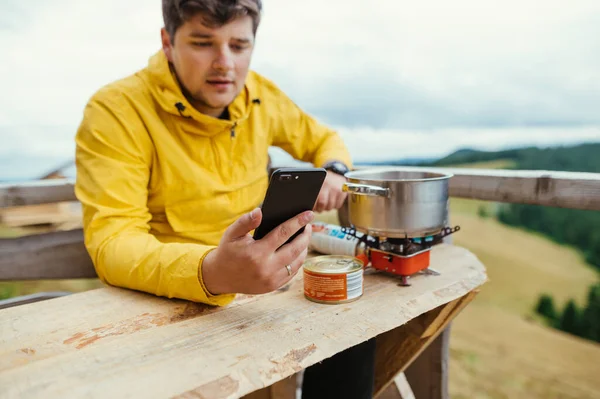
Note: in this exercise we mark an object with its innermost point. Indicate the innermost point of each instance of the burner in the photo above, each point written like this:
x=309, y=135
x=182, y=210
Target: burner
x=400, y=256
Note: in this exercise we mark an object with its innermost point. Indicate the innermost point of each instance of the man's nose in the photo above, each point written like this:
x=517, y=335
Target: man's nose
x=223, y=60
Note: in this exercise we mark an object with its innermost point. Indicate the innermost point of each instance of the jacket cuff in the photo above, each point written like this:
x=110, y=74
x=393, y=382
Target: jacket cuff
x=217, y=300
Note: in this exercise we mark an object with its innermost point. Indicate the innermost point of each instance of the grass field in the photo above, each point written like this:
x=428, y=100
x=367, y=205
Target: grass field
x=495, y=164
x=495, y=353
x=499, y=349
x=521, y=265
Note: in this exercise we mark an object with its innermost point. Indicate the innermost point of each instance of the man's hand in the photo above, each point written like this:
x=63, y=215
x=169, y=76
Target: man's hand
x=331, y=195
x=243, y=265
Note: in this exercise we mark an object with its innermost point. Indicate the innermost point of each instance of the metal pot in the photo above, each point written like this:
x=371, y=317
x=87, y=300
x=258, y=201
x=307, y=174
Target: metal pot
x=395, y=202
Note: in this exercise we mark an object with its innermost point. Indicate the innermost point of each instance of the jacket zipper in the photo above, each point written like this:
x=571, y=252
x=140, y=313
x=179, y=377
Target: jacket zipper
x=232, y=135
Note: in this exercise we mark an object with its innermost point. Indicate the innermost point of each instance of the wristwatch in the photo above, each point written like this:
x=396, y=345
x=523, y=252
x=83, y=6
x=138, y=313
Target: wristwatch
x=336, y=167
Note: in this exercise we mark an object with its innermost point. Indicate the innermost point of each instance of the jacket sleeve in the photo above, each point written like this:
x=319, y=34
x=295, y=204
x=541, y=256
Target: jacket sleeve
x=114, y=158
x=303, y=137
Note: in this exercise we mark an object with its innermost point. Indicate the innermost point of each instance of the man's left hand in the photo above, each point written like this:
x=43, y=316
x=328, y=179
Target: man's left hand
x=331, y=195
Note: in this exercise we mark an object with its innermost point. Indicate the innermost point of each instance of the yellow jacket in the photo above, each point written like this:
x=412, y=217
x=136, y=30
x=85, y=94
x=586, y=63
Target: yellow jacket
x=159, y=186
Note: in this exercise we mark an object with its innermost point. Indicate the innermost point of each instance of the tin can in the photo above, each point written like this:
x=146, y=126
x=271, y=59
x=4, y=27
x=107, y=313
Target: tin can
x=333, y=279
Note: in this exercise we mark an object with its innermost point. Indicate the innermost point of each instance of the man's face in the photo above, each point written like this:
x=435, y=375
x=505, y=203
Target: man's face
x=211, y=63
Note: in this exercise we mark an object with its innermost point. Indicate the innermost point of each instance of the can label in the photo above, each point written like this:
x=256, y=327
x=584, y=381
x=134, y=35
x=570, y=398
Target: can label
x=331, y=239
x=333, y=287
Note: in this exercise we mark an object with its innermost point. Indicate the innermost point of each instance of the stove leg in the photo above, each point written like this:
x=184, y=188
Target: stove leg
x=404, y=281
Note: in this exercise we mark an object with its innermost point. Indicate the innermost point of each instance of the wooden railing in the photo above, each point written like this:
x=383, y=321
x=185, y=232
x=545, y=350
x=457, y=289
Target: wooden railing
x=37, y=192
x=573, y=190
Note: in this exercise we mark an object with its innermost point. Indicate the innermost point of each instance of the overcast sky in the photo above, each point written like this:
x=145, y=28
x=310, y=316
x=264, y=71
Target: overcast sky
x=414, y=78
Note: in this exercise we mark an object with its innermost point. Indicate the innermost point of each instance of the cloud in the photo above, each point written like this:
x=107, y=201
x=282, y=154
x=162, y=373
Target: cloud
x=387, y=64
x=65, y=51
x=401, y=64
x=403, y=69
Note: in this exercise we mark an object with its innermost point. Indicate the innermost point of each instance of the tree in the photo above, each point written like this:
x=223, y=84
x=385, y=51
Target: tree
x=590, y=320
x=482, y=211
x=570, y=319
x=545, y=307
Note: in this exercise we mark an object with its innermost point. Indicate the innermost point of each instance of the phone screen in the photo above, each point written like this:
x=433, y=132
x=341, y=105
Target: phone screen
x=291, y=191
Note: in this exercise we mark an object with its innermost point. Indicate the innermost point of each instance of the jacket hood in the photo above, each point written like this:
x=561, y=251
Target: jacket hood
x=166, y=91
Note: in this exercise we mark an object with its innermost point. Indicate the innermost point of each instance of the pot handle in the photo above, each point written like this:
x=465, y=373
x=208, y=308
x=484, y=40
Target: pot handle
x=365, y=189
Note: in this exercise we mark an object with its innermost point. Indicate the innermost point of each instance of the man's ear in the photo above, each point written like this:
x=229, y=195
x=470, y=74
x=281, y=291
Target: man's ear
x=167, y=45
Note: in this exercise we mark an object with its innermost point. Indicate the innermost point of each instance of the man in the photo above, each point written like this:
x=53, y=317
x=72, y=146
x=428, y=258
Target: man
x=172, y=165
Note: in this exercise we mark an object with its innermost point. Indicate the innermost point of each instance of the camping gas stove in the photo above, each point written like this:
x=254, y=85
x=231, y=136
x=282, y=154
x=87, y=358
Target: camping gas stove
x=401, y=256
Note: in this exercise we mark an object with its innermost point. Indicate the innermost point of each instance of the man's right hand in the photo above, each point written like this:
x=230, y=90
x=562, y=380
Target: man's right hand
x=243, y=265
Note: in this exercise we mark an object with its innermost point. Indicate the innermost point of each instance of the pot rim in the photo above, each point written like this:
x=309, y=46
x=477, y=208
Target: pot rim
x=359, y=175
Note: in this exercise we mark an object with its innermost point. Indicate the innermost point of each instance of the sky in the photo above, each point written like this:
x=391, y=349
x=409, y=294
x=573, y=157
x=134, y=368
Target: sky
x=397, y=79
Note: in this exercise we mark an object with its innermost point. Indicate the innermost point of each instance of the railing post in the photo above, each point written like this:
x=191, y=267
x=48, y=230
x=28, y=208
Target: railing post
x=428, y=374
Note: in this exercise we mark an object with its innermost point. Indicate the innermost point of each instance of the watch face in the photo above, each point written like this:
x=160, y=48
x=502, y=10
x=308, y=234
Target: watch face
x=338, y=168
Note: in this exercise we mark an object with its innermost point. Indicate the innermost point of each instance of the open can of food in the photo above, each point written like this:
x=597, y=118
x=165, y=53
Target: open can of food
x=333, y=279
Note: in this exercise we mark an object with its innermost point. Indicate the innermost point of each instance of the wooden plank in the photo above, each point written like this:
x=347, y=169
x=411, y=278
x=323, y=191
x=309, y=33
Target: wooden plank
x=558, y=189
x=428, y=374
x=284, y=389
x=57, y=213
x=439, y=320
x=400, y=389
x=398, y=348
x=118, y=343
x=56, y=255
x=37, y=192
x=403, y=387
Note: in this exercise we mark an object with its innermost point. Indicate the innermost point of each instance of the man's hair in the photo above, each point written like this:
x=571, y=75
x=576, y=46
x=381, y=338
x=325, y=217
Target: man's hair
x=214, y=13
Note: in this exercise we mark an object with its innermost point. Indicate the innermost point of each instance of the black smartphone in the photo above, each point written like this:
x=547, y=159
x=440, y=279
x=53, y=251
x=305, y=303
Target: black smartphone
x=291, y=191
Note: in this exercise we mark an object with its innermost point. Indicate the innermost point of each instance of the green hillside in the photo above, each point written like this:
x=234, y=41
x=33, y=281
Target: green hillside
x=579, y=158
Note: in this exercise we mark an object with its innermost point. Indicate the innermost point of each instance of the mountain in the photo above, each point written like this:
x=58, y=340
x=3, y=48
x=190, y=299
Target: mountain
x=404, y=161
x=578, y=158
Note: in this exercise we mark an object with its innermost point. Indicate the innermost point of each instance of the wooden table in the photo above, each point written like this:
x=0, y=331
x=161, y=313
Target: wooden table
x=113, y=343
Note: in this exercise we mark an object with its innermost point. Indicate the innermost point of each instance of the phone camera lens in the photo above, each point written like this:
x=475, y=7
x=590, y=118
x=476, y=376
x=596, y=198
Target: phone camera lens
x=285, y=177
